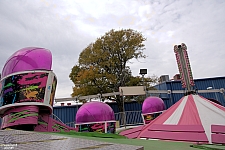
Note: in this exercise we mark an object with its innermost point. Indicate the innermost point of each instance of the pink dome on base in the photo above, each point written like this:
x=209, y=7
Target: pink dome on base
x=26, y=59
x=94, y=112
x=153, y=104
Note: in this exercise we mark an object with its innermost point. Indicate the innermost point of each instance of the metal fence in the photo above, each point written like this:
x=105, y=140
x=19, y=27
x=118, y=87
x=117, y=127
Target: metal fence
x=70, y=124
x=131, y=118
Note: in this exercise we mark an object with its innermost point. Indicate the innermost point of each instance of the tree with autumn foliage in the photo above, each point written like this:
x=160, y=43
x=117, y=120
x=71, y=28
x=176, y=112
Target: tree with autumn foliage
x=102, y=65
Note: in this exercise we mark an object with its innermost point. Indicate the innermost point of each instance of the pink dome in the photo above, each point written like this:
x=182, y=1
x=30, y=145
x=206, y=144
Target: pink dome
x=153, y=104
x=30, y=58
x=94, y=112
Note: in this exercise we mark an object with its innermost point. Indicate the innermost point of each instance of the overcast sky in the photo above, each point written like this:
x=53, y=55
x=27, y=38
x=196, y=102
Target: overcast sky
x=67, y=27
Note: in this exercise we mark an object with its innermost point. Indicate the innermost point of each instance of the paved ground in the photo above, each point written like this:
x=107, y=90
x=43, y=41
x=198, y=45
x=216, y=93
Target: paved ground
x=25, y=140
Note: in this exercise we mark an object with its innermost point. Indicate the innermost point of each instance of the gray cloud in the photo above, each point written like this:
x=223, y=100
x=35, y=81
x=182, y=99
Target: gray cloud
x=67, y=27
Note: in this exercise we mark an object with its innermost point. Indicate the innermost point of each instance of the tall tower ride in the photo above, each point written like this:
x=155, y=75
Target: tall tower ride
x=184, y=67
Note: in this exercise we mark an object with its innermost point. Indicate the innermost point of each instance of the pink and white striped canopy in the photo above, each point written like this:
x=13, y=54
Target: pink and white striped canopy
x=192, y=112
x=190, y=119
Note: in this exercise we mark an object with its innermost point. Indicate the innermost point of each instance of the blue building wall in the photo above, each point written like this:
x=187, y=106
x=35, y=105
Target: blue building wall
x=68, y=113
x=200, y=84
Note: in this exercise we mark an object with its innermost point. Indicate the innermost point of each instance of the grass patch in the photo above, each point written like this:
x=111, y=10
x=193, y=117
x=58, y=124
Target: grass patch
x=209, y=147
x=93, y=134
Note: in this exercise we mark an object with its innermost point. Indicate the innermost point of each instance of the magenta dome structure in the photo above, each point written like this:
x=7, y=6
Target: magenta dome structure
x=94, y=112
x=152, y=104
x=28, y=88
x=26, y=59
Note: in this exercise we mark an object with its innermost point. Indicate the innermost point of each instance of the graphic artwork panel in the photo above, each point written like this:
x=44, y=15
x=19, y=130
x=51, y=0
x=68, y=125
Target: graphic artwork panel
x=111, y=127
x=151, y=116
x=97, y=127
x=26, y=87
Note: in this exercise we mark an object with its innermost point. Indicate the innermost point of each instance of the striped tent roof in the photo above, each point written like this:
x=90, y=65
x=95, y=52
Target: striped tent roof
x=190, y=119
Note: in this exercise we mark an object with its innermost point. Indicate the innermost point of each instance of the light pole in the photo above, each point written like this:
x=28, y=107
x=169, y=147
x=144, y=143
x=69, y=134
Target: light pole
x=143, y=72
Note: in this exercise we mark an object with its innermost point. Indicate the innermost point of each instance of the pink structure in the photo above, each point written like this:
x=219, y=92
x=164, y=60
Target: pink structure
x=152, y=108
x=10, y=116
x=30, y=58
x=27, y=92
x=94, y=112
x=152, y=104
x=95, y=117
x=184, y=66
x=192, y=119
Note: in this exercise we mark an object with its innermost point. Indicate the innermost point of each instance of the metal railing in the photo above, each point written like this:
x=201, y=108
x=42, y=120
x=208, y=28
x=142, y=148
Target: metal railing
x=70, y=124
x=56, y=118
x=129, y=118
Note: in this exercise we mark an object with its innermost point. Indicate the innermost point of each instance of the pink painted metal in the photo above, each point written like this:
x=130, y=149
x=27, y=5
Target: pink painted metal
x=132, y=133
x=218, y=129
x=218, y=138
x=192, y=133
x=30, y=58
x=177, y=128
x=20, y=116
x=218, y=134
x=184, y=66
x=153, y=104
x=176, y=136
x=94, y=112
x=48, y=124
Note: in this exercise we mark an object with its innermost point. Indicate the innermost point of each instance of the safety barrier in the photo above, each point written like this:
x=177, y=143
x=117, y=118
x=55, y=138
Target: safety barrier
x=131, y=118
